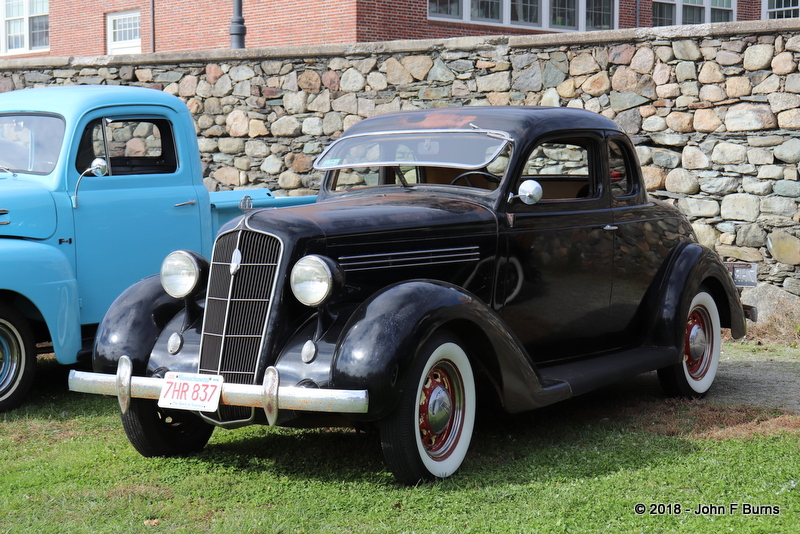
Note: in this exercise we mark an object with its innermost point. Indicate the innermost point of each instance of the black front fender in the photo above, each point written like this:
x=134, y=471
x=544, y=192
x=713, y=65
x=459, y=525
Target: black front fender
x=382, y=339
x=132, y=324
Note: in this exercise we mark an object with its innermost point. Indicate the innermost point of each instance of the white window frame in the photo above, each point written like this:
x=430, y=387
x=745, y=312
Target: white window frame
x=505, y=17
x=128, y=46
x=31, y=9
x=765, y=10
x=707, y=6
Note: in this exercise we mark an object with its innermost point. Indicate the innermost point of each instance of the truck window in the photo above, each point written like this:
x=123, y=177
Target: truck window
x=132, y=146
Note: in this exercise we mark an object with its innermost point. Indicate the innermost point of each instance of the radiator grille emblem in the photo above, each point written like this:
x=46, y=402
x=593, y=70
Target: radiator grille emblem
x=236, y=261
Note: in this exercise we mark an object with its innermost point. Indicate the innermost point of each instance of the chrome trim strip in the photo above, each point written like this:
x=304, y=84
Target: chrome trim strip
x=410, y=259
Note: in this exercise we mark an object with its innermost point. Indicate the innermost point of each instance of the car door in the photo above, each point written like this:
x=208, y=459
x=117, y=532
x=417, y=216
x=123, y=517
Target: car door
x=558, y=270
x=127, y=221
x=644, y=236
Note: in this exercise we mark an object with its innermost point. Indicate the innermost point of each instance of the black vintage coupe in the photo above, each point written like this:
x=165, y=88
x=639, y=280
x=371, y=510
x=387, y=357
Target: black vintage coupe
x=503, y=251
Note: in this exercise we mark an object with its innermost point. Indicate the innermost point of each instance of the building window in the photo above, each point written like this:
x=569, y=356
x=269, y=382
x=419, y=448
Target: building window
x=693, y=12
x=556, y=15
x=445, y=7
x=783, y=9
x=563, y=13
x=26, y=25
x=486, y=10
x=123, y=33
x=668, y=13
x=722, y=11
x=663, y=14
x=526, y=11
x=599, y=14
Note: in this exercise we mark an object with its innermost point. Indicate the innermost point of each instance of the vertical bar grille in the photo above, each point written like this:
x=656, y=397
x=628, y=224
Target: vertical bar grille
x=238, y=304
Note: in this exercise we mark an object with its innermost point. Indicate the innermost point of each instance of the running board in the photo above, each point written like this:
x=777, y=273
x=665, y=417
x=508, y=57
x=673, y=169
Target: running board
x=593, y=373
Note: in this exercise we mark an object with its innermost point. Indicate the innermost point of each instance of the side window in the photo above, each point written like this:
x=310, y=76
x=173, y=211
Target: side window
x=562, y=169
x=618, y=164
x=130, y=146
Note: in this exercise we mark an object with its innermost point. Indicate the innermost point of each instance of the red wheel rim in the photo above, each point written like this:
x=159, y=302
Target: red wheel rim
x=699, y=344
x=441, y=410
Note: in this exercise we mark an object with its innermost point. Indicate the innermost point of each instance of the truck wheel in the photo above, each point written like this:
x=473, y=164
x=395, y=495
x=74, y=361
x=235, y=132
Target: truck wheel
x=693, y=375
x=156, y=432
x=17, y=358
x=428, y=434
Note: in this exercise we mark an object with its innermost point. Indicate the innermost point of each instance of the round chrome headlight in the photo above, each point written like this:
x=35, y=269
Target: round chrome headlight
x=314, y=279
x=183, y=273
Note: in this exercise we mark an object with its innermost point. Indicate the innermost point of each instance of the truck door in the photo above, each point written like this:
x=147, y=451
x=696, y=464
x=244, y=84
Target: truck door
x=128, y=220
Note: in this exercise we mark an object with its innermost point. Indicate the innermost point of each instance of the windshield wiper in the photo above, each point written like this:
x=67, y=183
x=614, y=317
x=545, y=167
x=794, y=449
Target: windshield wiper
x=6, y=169
x=400, y=176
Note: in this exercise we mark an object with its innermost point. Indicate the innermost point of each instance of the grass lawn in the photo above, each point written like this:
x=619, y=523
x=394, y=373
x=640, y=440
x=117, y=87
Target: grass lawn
x=580, y=466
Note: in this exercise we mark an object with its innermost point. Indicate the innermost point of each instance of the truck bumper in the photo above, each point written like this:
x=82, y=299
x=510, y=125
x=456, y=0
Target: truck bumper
x=270, y=396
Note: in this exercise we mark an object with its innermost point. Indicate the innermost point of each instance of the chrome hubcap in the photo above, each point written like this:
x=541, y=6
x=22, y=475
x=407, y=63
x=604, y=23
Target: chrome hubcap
x=10, y=355
x=440, y=409
x=698, y=349
x=697, y=342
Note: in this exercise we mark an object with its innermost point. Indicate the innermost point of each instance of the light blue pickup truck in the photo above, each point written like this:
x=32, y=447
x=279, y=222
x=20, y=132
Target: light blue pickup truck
x=97, y=185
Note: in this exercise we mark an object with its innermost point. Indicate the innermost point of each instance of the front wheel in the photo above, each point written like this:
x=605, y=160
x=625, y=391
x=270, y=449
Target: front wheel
x=154, y=431
x=17, y=358
x=428, y=434
x=693, y=375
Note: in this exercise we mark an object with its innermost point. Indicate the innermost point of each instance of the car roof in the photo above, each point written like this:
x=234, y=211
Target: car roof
x=520, y=122
x=73, y=100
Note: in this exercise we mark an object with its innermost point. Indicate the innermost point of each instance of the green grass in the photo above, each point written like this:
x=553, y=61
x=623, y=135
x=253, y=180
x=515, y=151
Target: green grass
x=580, y=466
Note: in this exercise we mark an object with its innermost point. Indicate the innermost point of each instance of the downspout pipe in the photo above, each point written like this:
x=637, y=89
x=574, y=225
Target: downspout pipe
x=237, y=28
x=153, y=25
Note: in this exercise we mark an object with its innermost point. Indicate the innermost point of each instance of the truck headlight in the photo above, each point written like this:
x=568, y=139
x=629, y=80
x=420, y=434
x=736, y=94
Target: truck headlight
x=314, y=279
x=183, y=273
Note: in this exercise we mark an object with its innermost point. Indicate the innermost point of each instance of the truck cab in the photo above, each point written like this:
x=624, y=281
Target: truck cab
x=97, y=185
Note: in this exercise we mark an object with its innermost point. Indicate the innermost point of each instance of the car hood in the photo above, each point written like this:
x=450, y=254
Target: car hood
x=376, y=218
x=27, y=209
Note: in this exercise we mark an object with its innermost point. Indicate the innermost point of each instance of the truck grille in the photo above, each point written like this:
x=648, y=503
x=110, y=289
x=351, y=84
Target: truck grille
x=241, y=284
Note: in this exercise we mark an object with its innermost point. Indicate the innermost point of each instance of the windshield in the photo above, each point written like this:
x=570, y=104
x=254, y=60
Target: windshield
x=472, y=158
x=30, y=143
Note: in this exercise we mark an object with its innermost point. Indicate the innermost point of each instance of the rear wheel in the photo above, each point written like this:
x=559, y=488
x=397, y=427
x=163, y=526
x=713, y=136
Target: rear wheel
x=154, y=431
x=693, y=375
x=428, y=434
x=17, y=358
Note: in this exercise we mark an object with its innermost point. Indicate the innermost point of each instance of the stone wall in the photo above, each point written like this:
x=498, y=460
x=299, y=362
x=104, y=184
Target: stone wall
x=713, y=110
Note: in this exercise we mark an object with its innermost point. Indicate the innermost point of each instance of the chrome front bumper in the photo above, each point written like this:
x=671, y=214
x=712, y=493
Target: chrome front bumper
x=270, y=396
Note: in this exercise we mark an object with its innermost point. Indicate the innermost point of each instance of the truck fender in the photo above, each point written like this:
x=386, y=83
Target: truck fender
x=382, y=339
x=41, y=276
x=132, y=324
x=692, y=266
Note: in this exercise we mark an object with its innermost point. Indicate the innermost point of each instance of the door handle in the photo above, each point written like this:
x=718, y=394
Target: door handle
x=610, y=227
x=187, y=203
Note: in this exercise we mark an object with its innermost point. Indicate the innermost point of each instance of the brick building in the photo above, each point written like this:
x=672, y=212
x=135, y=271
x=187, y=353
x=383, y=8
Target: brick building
x=97, y=27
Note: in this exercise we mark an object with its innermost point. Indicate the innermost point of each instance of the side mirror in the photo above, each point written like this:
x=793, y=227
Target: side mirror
x=530, y=192
x=99, y=168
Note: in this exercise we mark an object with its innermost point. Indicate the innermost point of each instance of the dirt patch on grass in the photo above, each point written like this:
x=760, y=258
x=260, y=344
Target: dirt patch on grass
x=700, y=420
